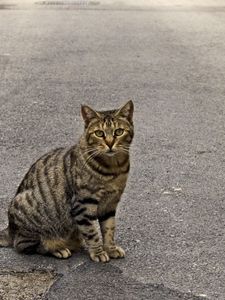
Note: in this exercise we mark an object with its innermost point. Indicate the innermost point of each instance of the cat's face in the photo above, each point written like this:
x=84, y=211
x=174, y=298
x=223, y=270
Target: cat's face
x=108, y=132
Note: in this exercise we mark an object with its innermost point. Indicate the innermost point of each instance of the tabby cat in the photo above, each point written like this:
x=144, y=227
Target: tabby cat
x=66, y=191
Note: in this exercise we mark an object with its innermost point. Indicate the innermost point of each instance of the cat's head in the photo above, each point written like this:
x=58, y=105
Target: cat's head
x=109, y=132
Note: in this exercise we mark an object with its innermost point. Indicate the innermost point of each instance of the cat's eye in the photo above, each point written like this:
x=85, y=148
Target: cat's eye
x=119, y=131
x=99, y=133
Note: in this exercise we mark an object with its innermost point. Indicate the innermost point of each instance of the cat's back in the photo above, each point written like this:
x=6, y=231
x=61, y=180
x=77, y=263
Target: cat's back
x=52, y=170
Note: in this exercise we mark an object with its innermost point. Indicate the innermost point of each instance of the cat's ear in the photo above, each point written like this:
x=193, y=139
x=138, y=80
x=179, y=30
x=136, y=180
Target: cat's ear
x=126, y=111
x=88, y=114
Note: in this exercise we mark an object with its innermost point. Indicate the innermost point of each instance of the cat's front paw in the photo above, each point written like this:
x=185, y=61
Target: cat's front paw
x=99, y=257
x=115, y=251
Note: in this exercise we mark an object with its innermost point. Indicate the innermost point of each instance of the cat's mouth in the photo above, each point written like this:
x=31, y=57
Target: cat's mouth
x=110, y=153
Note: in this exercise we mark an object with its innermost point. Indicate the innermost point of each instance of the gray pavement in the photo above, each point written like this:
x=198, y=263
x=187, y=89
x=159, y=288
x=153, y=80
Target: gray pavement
x=170, y=60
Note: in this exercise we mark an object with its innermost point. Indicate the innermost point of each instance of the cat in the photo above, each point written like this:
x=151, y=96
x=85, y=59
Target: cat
x=66, y=191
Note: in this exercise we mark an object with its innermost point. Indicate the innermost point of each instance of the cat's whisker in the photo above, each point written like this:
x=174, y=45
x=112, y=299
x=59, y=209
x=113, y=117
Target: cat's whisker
x=89, y=151
x=123, y=149
x=86, y=160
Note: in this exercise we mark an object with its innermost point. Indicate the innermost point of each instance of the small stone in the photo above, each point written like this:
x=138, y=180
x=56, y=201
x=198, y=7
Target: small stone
x=177, y=189
x=167, y=193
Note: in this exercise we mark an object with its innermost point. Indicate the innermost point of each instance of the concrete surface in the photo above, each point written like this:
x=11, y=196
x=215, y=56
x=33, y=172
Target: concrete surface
x=171, y=62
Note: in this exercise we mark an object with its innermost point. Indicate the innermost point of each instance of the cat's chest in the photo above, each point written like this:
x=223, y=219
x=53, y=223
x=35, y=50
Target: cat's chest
x=102, y=189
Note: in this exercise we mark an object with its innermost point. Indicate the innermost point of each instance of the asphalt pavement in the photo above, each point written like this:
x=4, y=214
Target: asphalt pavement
x=171, y=220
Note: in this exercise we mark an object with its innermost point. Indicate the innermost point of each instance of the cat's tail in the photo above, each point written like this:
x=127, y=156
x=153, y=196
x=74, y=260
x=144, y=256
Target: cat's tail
x=5, y=240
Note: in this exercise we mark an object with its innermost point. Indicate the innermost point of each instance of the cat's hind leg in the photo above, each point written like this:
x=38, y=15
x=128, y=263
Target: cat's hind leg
x=62, y=253
x=63, y=248
x=57, y=247
x=27, y=245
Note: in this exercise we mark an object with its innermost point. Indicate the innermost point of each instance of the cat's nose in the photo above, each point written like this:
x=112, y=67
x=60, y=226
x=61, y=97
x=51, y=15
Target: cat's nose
x=109, y=142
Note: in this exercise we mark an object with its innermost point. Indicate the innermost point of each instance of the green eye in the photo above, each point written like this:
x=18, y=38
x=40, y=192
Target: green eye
x=119, y=131
x=99, y=133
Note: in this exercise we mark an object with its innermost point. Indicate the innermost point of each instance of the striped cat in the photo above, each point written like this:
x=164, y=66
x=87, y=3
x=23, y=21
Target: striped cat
x=64, y=192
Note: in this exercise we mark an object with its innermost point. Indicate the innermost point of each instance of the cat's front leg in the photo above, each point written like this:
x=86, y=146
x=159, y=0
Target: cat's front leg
x=108, y=224
x=85, y=215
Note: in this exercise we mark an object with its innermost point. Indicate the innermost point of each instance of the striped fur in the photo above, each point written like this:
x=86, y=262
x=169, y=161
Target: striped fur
x=66, y=191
